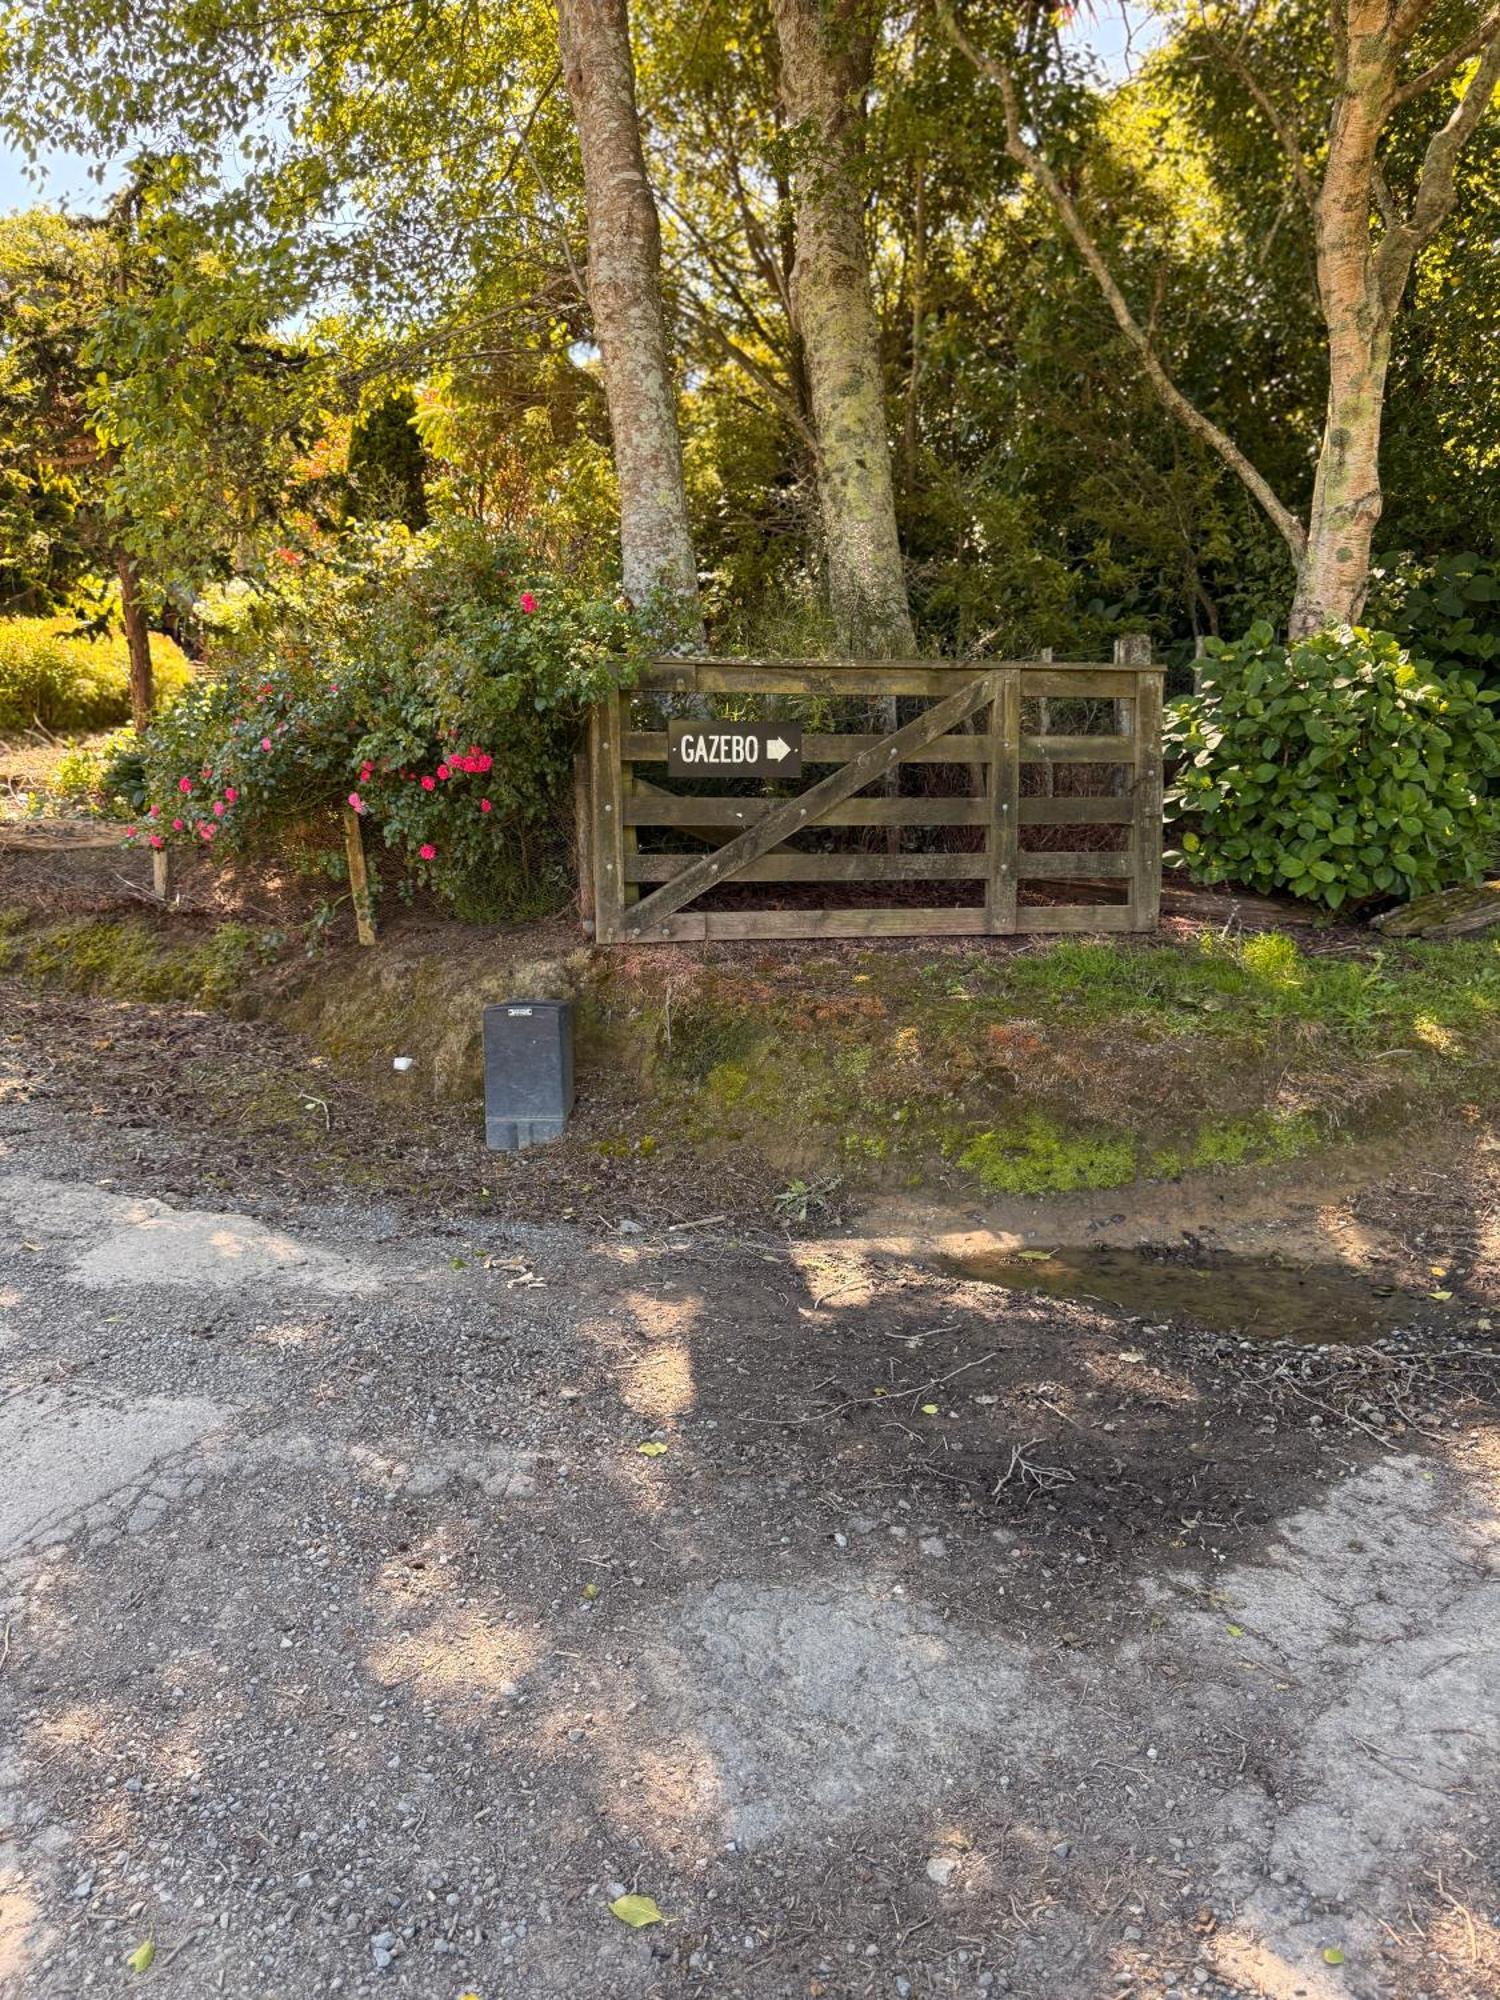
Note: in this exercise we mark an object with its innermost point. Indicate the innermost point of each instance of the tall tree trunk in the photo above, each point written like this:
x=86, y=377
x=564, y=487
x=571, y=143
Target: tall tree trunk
x=624, y=237
x=1333, y=574
x=826, y=50
x=137, y=642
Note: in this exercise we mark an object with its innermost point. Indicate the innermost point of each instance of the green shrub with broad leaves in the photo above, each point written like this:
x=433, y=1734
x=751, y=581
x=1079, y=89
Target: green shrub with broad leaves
x=55, y=677
x=435, y=682
x=1447, y=611
x=1337, y=768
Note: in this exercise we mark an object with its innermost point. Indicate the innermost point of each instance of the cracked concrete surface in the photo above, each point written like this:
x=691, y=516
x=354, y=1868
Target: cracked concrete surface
x=361, y=1622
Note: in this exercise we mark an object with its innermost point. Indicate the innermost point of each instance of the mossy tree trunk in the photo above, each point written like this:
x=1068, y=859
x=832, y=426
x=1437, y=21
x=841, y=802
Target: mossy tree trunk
x=624, y=284
x=826, y=50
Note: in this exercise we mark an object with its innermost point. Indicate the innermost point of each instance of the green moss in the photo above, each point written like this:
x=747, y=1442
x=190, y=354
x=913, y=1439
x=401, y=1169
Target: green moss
x=126, y=959
x=729, y=1084
x=1036, y=1156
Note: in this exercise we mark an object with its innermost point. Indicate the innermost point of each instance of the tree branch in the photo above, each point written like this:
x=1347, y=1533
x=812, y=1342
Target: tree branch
x=1285, y=521
x=705, y=322
x=1447, y=65
x=1284, y=127
x=1434, y=196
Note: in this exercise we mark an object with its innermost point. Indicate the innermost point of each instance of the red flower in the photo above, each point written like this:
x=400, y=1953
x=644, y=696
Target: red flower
x=130, y=833
x=427, y=851
x=429, y=784
x=154, y=812
x=157, y=841
x=528, y=602
x=485, y=806
x=177, y=826
x=265, y=743
x=184, y=784
x=442, y=770
x=357, y=802
x=230, y=794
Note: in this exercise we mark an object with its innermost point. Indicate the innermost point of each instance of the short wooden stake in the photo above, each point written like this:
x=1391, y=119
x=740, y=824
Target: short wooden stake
x=161, y=874
x=359, y=878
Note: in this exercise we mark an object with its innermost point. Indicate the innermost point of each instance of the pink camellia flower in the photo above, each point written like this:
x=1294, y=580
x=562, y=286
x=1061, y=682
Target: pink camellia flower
x=153, y=812
x=130, y=833
x=205, y=829
x=156, y=840
x=366, y=772
x=442, y=771
x=528, y=602
x=427, y=851
x=219, y=809
x=485, y=806
x=429, y=784
x=184, y=784
x=177, y=826
x=230, y=794
x=265, y=743
x=357, y=802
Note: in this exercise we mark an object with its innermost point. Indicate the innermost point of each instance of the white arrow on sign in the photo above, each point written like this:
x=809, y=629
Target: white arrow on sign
x=776, y=749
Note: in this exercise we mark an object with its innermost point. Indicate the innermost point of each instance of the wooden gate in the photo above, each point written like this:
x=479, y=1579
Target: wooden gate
x=662, y=864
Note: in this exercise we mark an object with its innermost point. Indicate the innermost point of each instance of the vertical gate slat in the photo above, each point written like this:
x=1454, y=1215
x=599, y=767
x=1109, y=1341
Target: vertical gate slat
x=1002, y=841
x=608, y=788
x=1146, y=833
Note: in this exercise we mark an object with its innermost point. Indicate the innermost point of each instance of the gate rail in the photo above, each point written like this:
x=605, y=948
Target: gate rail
x=647, y=897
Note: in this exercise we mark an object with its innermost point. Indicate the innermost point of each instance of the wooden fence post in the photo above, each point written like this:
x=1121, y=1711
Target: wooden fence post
x=607, y=788
x=1133, y=650
x=161, y=874
x=1146, y=831
x=359, y=879
x=1002, y=839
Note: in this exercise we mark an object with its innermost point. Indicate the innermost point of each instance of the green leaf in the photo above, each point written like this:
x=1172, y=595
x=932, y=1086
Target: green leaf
x=142, y=1958
x=1332, y=1955
x=652, y=1448
x=637, y=1911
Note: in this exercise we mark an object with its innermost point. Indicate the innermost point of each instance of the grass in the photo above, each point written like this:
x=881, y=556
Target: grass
x=1071, y=1065
x=1077, y=1065
x=129, y=959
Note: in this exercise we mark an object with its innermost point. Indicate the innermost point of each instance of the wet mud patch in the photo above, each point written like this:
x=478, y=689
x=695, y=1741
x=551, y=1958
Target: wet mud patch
x=1265, y=1297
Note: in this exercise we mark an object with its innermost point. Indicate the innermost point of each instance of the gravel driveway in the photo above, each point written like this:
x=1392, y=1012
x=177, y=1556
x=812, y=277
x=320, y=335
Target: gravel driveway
x=350, y=1642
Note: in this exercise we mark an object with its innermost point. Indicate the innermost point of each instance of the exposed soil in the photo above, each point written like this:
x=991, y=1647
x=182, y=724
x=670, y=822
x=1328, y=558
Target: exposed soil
x=962, y=1640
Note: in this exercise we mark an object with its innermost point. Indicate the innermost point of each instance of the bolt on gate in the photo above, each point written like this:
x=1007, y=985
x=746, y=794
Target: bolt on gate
x=1015, y=783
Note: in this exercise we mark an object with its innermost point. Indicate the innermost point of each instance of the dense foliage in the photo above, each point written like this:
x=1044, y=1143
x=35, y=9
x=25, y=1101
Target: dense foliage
x=1338, y=768
x=56, y=677
x=1446, y=611
x=432, y=682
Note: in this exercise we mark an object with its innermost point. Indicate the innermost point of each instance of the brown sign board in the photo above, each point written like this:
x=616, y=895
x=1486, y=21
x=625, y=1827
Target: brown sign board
x=734, y=749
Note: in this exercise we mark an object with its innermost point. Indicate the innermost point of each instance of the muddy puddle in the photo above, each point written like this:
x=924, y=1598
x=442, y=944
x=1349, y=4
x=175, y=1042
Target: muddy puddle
x=1258, y=1297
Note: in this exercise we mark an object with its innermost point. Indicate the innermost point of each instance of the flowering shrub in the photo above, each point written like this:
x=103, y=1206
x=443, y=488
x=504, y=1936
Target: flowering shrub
x=1337, y=768
x=432, y=682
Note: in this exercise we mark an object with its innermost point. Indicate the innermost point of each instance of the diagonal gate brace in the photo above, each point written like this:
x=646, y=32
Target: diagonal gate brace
x=793, y=815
